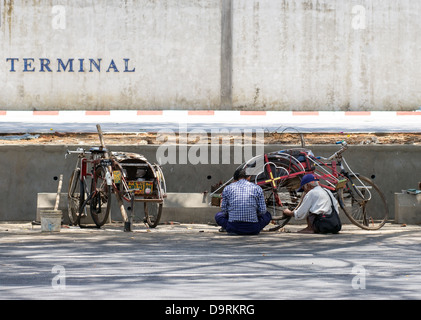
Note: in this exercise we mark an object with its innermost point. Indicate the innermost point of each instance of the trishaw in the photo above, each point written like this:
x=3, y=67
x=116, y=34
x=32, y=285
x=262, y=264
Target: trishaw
x=130, y=176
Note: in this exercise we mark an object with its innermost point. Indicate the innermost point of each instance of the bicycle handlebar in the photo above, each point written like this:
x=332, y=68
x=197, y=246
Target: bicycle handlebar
x=77, y=151
x=340, y=151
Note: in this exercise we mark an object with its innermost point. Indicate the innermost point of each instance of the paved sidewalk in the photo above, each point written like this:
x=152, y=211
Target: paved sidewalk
x=184, y=261
x=28, y=228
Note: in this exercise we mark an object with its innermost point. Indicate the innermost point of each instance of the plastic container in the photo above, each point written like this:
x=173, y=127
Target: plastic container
x=51, y=220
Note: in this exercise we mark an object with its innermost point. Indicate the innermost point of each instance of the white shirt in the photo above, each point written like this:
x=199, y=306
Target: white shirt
x=316, y=201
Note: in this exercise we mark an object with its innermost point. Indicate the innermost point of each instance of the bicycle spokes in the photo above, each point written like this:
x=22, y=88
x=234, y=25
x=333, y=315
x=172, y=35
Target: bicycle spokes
x=364, y=203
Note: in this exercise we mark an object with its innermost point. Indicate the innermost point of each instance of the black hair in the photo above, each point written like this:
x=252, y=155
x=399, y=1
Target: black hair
x=240, y=173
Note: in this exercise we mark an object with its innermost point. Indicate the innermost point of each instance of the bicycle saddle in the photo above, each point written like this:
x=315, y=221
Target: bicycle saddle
x=97, y=150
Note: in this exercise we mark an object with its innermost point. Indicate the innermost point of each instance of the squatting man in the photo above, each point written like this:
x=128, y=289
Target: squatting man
x=243, y=208
x=316, y=202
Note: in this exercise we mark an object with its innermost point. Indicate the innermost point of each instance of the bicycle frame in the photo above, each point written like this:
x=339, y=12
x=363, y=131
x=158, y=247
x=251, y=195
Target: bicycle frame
x=330, y=171
x=86, y=171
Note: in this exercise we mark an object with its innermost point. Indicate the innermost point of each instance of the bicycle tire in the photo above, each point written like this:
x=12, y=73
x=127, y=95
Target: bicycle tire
x=288, y=197
x=153, y=211
x=73, y=196
x=367, y=213
x=100, y=204
x=280, y=224
x=285, y=191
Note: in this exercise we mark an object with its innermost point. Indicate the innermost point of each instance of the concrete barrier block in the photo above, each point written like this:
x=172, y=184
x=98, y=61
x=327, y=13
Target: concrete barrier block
x=407, y=208
x=186, y=200
x=188, y=208
x=178, y=207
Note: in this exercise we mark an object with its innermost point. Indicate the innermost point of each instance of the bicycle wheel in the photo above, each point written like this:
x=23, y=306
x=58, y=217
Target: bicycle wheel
x=100, y=203
x=363, y=203
x=153, y=211
x=74, y=197
x=275, y=210
x=289, y=198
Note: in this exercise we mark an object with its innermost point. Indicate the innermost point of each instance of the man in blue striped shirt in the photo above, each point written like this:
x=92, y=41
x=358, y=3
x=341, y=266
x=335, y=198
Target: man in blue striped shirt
x=243, y=209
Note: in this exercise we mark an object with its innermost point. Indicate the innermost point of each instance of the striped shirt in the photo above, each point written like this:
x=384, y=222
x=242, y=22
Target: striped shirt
x=243, y=200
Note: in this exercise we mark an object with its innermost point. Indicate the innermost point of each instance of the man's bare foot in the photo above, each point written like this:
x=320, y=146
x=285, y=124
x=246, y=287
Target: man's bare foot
x=306, y=230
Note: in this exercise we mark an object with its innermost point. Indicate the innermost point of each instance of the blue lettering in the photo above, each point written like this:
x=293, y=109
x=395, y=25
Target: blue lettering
x=126, y=64
x=45, y=63
x=112, y=65
x=64, y=66
x=96, y=65
x=27, y=63
x=12, y=63
x=81, y=65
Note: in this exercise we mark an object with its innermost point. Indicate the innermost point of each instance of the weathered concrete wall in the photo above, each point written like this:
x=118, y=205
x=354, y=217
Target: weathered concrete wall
x=29, y=170
x=210, y=54
x=174, y=47
x=327, y=54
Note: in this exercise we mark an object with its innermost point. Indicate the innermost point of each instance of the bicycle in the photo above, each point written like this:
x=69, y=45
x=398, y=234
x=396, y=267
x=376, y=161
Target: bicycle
x=88, y=186
x=128, y=175
x=279, y=174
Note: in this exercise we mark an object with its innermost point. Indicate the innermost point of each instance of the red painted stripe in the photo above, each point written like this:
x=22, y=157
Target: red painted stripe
x=97, y=113
x=358, y=113
x=3, y=113
x=408, y=113
x=201, y=113
x=305, y=113
x=45, y=113
x=252, y=113
x=150, y=113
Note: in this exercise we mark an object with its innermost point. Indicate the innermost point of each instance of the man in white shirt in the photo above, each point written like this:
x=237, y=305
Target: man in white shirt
x=316, y=202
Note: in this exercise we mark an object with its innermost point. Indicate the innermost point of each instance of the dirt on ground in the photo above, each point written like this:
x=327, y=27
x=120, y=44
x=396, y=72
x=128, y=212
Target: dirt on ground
x=57, y=138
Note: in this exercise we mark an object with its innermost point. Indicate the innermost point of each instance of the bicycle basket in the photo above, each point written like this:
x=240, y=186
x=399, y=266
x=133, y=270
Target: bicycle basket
x=138, y=172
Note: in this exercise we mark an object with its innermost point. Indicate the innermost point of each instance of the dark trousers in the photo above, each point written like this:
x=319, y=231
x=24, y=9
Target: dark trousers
x=243, y=228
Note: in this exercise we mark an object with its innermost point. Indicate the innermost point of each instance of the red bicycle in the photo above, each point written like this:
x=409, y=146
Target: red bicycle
x=279, y=174
x=88, y=188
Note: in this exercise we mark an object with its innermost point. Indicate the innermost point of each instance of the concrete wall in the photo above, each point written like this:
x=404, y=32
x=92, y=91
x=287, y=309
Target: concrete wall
x=211, y=54
x=29, y=170
x=327, y=54
x=174, y=47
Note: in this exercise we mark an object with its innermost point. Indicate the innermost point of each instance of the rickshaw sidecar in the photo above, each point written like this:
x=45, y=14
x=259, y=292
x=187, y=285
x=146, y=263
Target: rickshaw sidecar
x=144, y=179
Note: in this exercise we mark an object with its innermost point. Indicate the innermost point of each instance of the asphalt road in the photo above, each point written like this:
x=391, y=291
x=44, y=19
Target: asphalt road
x=184, y=262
